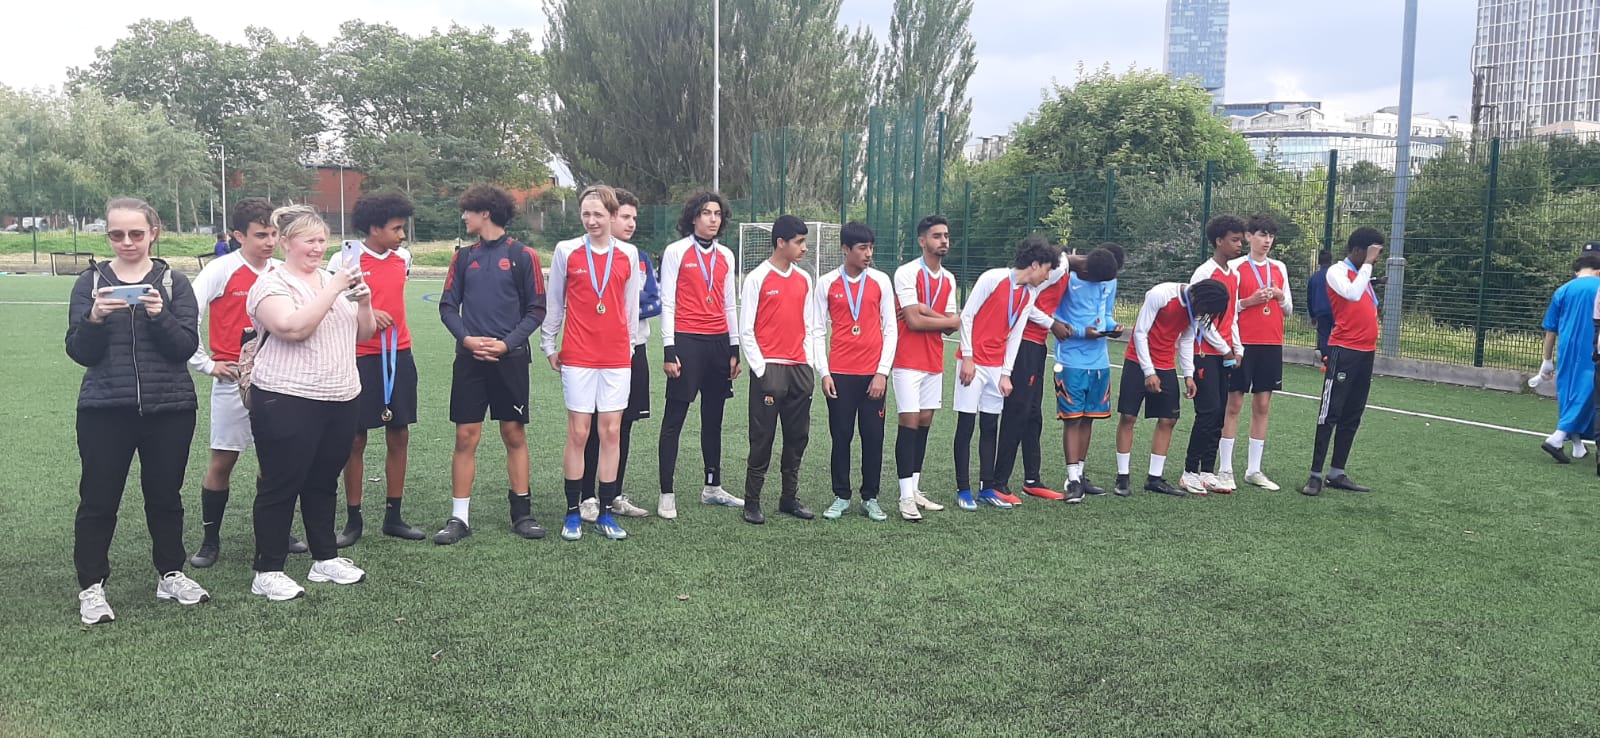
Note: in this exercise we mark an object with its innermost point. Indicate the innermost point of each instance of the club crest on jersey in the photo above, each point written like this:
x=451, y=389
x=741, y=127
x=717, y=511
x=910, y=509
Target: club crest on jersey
x=505, y=265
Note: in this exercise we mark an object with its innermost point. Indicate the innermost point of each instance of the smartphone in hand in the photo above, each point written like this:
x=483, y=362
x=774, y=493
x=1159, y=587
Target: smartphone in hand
x=129, y=293
x=350, y=255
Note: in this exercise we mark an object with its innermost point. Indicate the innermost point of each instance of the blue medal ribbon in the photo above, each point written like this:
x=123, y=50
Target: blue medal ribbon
x=930, y=293
x=1370, y=292
x=1188, y=305
x=707, y=272
x=1011, y=299
x=1261, y=281
x=600, y=286
x=389, y=351
x=854, y=301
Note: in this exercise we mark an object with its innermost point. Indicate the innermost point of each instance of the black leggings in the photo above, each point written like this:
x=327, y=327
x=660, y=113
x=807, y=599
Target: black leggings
x=302, y=446
x=852, y=409
x=107, y=441
x=711, y=404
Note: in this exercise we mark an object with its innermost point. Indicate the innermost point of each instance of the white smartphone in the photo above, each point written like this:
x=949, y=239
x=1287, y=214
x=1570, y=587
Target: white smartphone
x=350, y=255
x=127, y=292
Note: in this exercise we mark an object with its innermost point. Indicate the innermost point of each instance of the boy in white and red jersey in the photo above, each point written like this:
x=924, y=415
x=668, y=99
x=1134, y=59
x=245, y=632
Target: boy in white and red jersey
x=1263, y=305
x=221, y=289
x=925, y=298
x=592, y=300
x=1214, y=363
x=1022, y=419
x=699, y=343
x=1172, y=320
x=623, y=225
x=388, y=372
x=780, y=336
x=857, y=301
x=991, y=331
x=1351, y=349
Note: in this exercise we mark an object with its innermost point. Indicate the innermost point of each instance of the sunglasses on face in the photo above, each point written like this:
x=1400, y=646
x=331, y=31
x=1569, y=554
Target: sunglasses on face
x=117, y=236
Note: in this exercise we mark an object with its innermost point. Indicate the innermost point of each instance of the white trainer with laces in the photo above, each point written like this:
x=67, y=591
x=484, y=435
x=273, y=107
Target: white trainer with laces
x=276, y=586
x=185, y=591
x=926, y=503
x=908, y=509
x=1192, y=483
x=92, y=607
x=625, y=507
x=1260, y=480
x=1225, y=480
x=1211, y=484
x=589, y=510
x=719, y=496
x=339, y=571
x=667, y=507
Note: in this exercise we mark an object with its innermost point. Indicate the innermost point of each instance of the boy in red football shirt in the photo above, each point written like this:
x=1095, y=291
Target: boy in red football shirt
x=388, y=372
x=1264, y=303
x=858, y=302
x=925, y=300
x=1351, y=348
x=779, y=334
x=593, y=301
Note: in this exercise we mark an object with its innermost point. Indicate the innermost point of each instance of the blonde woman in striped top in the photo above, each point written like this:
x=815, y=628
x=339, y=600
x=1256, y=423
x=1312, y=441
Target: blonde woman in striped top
x=303, y=402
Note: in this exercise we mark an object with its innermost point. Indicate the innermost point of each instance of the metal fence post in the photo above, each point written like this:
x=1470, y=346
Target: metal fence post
x=755, y=173
x=938, y=184
x=844, y=176
x=966, y=227
x=1205, y=207
x=1328, y=213
x=1111, y=200
x=783, y=170
x=1488, y=250
x=1033, y=189
x=917, y=142
x=869, y=187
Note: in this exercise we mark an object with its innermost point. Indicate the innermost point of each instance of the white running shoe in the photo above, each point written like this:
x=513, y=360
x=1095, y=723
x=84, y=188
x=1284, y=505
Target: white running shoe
x=667, y=507
x=92, y=607
x=926, y=503
x=1192, y=483
x=276, y=586
x=625, y=507
x=589, y=510
x=1212, y=485
x=909, y=511
x=1225, y=480
x=719, y=496
x=1260, y=480
x=339, y=571
x=176, y=586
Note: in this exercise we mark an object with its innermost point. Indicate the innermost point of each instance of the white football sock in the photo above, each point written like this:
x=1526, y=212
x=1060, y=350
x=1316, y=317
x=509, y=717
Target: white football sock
x=1557, y=438
x=1225, y=455
x=1074, y=472
x=916, y=481
x=1158, y=465
x=1257, y=447
x=1123, y=462
x=908, y=487
x=1578, y=449
x=458, y=508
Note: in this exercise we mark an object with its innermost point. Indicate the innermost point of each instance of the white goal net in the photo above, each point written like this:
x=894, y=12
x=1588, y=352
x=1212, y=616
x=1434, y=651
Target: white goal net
x=823, y=253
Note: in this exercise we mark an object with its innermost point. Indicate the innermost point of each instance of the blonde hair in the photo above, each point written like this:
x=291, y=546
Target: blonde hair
x=295, y=221
x=606, y=196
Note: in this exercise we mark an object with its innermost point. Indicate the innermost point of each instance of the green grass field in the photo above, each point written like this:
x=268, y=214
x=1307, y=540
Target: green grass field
x=1457, y=599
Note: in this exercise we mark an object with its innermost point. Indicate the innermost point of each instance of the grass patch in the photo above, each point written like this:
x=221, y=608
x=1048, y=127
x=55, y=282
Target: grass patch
x=1449, y=601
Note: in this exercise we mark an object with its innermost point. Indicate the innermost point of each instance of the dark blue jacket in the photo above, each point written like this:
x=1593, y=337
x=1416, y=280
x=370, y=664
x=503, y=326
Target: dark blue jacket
x=1318, y=306
x=495, y=289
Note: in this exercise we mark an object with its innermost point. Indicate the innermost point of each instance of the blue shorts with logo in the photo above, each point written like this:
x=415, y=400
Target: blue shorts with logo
x=1083, y=393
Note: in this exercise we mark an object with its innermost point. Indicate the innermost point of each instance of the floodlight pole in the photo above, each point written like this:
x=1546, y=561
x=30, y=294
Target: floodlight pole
x=1394, y=291
x=224, y=160
x=716, y=95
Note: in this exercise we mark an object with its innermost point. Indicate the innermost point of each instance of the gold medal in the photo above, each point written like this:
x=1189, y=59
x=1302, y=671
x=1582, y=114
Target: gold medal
x=708, y=299
x=600, y=308
x=855, y=330
x=387, y=415
x=1266, y=309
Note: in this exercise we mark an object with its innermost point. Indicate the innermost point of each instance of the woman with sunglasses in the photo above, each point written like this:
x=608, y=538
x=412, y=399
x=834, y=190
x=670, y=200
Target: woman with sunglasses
x=303, y=408
x=133, y=324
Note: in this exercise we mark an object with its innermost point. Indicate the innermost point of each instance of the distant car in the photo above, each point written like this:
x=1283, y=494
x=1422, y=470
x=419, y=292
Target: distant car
x=98, y=226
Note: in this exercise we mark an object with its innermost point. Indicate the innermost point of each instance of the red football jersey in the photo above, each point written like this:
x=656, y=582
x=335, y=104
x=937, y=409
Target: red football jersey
x=1262, y=324
x=862, y=344
x=386, y=274
x=922, y=351
x=1355, y=307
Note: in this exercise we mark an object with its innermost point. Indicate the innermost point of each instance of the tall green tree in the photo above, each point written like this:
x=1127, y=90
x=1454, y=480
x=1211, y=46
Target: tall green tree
x=631, y=85
x=931, y=55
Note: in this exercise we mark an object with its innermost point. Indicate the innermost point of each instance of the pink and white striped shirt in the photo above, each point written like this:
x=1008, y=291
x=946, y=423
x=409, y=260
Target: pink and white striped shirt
x=321, y=367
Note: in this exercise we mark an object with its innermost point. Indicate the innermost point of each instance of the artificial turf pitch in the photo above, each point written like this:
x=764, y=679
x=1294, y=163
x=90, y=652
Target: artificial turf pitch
x=1459, y=598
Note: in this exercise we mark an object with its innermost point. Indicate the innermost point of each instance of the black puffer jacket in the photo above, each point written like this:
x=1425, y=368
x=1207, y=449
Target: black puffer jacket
x=135, y=361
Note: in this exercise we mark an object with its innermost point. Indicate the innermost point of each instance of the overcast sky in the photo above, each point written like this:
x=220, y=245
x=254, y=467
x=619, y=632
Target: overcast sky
x=1344, y=52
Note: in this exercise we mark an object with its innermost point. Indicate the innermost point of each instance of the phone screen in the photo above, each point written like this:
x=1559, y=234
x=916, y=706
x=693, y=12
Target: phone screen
x=351, y=255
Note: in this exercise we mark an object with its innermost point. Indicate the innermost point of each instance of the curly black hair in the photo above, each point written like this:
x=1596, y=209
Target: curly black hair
x=250, y=210
x=1221, y=226
x=1101, y=265
x=1035, y=249
x=376, y=209
x=1208, y=298
x=691, y=210
x=491, y=199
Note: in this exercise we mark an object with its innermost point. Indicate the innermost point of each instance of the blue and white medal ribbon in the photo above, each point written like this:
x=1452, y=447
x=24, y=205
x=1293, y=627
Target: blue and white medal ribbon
x=600, y=286
x=854, y=301
x=389, y=347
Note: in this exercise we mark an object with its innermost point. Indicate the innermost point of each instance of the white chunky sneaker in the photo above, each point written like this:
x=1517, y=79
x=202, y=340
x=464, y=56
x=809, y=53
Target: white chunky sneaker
x=1225, y=479
x=667, y=507
x=1260, y=480
x=925, y=503
x=909, y=511
x=92, y=607
x=339, y=571
x=719, y=496
x=1212, y=485
x=182, y=589
x=589, y=510
x=625, y=507
x=276, y=586
x=1192, y=483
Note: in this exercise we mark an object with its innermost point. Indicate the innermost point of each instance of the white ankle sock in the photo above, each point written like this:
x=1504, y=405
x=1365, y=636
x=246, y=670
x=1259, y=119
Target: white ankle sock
x=907, y=487
x=1257, y=447
x=458, y=508
x=1557, y=438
